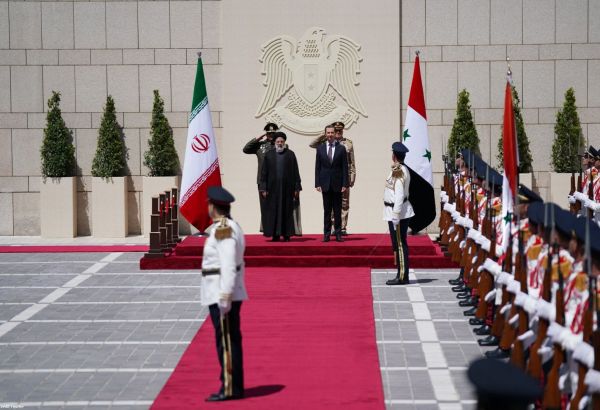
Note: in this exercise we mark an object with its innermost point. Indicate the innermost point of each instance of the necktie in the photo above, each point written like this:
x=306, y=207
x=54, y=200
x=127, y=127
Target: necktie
x=330, y=153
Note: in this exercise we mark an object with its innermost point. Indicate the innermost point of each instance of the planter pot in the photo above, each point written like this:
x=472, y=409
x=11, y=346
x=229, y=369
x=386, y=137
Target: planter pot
x=559, y=186
x=152, y=186
x=58, y=208
x=109, y=207
x=527, y=180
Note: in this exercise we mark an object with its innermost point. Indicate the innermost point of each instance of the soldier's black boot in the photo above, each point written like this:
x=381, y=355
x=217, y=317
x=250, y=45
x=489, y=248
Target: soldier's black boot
x=476, y=321
x=497, y=354
x=459, y=288
x=470, y=312
x=463, y=295
x=491, y=340
x=484, y=330
x=458, y=280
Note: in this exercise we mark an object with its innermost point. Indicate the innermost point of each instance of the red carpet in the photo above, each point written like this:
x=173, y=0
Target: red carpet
x=368, y=250
x=72, y=248
x=309, y=343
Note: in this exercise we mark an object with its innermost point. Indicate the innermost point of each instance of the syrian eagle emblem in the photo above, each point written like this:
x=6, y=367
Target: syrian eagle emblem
x=319, y=76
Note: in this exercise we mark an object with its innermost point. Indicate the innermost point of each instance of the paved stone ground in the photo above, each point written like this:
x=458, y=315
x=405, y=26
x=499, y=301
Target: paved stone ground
x=91, y=330
x=425, y=342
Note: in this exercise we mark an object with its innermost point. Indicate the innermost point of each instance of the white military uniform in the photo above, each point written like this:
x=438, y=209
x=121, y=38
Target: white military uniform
x=223, y=264
x=396, y=192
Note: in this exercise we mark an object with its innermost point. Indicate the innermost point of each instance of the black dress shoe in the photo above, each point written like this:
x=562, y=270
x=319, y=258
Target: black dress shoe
x=397, y=281
x=338, y=238
x=456, y=281
x=466, y=303
x=470, y=312
x=484, y=330
x=497, y=354
x=286, y=238
x=459, y=288
x=325, y=238
x=275, y=239
x=463, y=295
x=476, y=321
x=222, y=397
x=344, y=232
x=491, y=340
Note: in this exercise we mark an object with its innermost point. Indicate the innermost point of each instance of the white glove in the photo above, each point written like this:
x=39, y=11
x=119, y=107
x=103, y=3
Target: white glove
x=224, y=306
x=571, y=199
x=396, y=222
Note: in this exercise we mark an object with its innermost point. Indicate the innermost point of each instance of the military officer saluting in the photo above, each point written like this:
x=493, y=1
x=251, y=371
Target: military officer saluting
x=397, y=211
x=260, y=146
x=223, y=290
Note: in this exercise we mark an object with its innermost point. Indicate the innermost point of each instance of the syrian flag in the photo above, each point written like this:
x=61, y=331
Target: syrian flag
x=418, y=158
x=201, y=163
x=511, y=165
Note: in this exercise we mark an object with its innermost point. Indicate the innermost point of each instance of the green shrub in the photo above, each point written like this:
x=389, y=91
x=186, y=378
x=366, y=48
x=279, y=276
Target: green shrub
x=111, y=154
x=57, y=152
x=161, y=157
x=464, y=133
x=568, y=138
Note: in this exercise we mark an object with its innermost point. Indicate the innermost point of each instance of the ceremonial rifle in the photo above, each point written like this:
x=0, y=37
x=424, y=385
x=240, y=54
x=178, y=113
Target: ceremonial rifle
x=499, y=319
x=486, y=281
x=552, y=395
x=579, y=179
x=534, y=366
x=509, y=332
x=518, y=352
x=572, y=190
x=588, y=321
x=596, y=345
x=591, y=191
x=467, y=255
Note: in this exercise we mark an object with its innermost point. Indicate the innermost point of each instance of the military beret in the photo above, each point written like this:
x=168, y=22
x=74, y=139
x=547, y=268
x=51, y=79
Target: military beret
x=565, y=222
x=399, y=147
x=580, y=227
x=338, y=125
x=535, y=213
x=219, y=195
x=548, y=214
x=527, y=195
x=271, y=127
x=503, y=384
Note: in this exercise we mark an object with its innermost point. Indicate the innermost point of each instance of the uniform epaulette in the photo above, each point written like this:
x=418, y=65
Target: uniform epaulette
x=397, y=171
x=223, y=230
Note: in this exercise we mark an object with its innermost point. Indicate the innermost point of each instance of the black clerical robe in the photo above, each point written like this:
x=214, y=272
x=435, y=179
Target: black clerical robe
x=280, y=178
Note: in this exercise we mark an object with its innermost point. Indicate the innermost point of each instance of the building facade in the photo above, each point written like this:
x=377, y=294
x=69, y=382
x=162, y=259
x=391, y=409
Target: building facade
x=89, y=49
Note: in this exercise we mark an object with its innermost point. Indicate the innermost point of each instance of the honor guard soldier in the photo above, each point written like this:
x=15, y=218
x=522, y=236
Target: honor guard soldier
x=397, y=211
x=259, y=146
x=223, y=291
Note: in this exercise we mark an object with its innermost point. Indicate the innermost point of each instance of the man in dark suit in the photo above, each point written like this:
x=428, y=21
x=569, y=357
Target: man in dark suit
x=331, y=179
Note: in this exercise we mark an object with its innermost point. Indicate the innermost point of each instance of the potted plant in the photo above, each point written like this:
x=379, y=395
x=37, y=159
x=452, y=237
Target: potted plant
x=109, y=187
x=568, y=139
x=58, y=195
x=160, y=158
x=463, y=134
x=525, y=159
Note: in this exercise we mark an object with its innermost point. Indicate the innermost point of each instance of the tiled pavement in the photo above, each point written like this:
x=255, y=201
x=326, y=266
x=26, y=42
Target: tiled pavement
x=91, y=330
x=425, y=342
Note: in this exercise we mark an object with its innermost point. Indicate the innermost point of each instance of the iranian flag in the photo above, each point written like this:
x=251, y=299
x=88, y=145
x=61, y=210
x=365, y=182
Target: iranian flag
x=201, y=163
x=511, y=165
x=418, y=158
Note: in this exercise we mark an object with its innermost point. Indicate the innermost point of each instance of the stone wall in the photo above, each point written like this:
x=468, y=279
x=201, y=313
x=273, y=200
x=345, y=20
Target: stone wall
x=552, y=44
x=87, y=50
